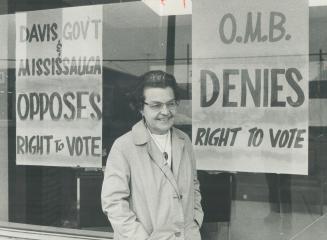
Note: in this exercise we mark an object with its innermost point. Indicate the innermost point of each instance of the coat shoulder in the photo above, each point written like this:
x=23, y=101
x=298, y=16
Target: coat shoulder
x=182, y=134
x=124, y=141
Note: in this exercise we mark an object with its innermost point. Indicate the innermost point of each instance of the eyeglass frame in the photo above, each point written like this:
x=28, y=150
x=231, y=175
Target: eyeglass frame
x=161, y=104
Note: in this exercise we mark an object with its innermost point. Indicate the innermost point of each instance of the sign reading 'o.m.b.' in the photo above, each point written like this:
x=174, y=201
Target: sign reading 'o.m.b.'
x=253, y=28
x=250, y=85
x=249, y=28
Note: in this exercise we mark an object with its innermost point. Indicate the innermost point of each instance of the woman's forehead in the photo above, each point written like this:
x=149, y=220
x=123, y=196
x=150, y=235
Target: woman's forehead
x=159, y=94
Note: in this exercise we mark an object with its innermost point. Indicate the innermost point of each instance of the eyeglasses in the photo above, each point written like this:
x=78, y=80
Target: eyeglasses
x=158, y=106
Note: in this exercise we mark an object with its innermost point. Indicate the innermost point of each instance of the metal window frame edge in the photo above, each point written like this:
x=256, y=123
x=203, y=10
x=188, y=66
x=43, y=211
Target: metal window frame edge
x=36, y=232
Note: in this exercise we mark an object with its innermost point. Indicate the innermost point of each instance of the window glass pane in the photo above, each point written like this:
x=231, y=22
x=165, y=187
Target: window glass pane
x=136, y=39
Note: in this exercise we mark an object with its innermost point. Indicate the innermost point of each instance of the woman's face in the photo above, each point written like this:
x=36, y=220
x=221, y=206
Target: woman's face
x=159, y=109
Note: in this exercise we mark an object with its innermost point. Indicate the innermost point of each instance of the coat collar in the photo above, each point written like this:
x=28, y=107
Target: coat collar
x=141, y=135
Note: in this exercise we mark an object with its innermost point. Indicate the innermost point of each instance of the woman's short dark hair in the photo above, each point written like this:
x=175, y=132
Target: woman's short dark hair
x=153, y=79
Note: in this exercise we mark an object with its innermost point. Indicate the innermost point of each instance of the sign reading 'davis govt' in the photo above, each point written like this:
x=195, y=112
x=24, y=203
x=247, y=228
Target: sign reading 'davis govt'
x=250, y=85
x=59, y=87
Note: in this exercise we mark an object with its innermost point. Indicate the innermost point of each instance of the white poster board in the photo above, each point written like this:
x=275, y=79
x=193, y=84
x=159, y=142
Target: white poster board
x=250, y=85
x=59, y=87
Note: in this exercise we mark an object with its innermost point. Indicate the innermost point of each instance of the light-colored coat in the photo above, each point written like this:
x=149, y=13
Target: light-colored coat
x=143, y=198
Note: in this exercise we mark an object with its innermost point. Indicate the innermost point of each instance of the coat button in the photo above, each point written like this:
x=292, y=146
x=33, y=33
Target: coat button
x=178, y=234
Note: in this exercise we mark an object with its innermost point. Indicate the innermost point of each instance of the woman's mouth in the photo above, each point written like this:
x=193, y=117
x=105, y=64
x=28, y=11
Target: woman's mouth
x=166, y=119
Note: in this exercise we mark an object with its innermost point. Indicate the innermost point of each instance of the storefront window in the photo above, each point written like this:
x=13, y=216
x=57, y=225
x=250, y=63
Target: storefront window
x=44, y=184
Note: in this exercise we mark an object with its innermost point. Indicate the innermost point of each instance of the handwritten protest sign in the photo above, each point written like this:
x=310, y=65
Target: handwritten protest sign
x=250, y=85
x=59, y=87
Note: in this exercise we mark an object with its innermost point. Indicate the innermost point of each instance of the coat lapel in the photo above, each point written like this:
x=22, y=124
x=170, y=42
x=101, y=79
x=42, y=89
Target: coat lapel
x=142, y=137
x=177, y=146
x=159, y=160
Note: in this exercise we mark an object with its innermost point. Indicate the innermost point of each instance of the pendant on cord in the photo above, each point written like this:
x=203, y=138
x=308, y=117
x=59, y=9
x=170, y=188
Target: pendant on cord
x=165, y=155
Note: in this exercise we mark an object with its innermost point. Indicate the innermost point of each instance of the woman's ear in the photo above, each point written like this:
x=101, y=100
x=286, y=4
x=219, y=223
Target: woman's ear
x=142, y=116
x=142, y=113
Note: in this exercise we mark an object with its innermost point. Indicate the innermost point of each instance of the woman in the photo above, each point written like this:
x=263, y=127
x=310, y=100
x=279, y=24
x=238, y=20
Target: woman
x=150, y=188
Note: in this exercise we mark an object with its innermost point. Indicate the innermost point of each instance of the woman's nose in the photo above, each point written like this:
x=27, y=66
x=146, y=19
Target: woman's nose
x=164, y=109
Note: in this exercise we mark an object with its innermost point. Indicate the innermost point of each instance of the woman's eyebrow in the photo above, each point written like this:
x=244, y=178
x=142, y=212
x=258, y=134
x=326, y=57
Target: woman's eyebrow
x=162, y=102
